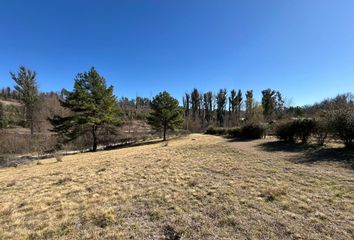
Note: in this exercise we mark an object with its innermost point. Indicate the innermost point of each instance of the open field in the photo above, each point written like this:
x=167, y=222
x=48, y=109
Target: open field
x=196, y=187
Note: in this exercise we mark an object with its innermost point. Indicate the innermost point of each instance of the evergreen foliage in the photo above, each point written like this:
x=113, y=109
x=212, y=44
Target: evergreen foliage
x=93, y=107
x=165, y=113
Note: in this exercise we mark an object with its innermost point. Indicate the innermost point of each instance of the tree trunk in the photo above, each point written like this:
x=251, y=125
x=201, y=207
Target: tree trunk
x=164, y=132
x=94, y=145
x=29, y=118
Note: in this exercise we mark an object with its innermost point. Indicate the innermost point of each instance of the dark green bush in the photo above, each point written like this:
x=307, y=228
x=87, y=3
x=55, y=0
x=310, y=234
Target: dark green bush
x=342, y=126
x=286, y=132
x=303, y=129
x=234, y=132
x=252, y=131
x=296, y=130
x=216, y=131
x=321, y=131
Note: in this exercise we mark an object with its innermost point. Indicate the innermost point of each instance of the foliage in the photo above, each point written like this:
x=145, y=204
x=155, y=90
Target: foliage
x=221, y=105
x=166, y=113
x=268, y=103
x=3, y=120
x=195, y=101
x=297, y=130
x=321, y=131
x=252, y=131
x=216, y=131
x=26, y=86
x=304, y=128
x=249, y=105
x=286, y=132
x=93, y=107
x=342, y=125
x=234, y=132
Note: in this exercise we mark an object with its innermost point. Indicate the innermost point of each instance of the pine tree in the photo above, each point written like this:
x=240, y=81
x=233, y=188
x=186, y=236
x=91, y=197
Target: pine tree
x=165, y=113
x=26, y=86
x=93, y=105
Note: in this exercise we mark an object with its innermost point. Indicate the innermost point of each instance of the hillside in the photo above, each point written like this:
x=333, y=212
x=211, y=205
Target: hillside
x=12, y=102
x=196, y=187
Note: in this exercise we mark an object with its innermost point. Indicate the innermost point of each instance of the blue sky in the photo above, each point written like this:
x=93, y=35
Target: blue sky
x=304, y=48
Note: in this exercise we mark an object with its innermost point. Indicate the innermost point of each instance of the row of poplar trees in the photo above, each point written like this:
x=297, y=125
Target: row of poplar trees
x=201, y=110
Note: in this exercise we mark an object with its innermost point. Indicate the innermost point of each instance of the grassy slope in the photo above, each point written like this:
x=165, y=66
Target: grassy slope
x=200, y=187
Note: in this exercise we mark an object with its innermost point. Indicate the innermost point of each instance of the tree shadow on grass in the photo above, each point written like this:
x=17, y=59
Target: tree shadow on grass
x=311, y=154
x=131, y=144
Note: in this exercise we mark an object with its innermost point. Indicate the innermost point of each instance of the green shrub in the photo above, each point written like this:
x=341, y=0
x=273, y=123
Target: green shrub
x=285, y=132
x=234, y=132
x=342, y=126
x=303, y=129
x=216, y=131
x=297, y=130
x=252, y=131
x=321, y=131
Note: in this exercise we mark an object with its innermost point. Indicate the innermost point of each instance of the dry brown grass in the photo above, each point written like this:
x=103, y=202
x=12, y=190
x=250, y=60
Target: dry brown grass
x=206, y=188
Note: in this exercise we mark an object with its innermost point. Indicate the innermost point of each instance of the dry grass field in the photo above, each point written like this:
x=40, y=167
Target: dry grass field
x=196, y=187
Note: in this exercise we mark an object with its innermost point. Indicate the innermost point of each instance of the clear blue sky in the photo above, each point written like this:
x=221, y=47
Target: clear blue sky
x=304, y=48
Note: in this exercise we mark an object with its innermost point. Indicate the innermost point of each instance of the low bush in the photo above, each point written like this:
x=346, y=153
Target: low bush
x=321, y=131
x=252, y=131
x=216, y=131
x=234, y=132
x=304, y=129
x=342, y=126
x=298, y=130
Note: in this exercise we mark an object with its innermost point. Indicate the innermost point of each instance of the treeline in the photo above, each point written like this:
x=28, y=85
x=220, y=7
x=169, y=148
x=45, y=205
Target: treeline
x=202, y=110
x=8, y=93
x=91, y=115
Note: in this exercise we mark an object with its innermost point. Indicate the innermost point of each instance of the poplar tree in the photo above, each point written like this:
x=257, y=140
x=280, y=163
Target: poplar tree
x=268, y=103
x=249, y=105
x=195, y=101
x=238, y=100
x=221, y=105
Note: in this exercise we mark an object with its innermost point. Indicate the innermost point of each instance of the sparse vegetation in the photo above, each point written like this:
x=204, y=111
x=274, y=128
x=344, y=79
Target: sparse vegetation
x=203, y=189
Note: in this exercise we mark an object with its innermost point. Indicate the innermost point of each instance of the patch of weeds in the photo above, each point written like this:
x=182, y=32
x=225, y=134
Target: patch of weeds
x=156, y=214
x=229, y=220
x=192, y=183
x=170, y=233
x=103, y=218
x=273, y=193
x=39, y=163
x=11, y=184
x=63, y=181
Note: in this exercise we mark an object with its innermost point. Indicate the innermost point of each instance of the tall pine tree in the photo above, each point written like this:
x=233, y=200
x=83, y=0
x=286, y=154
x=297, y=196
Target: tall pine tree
x=93, y=107
x=26, y=86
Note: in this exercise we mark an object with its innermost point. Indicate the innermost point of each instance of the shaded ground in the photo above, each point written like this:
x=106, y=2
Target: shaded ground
x=312, y=154
x=197, y=187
